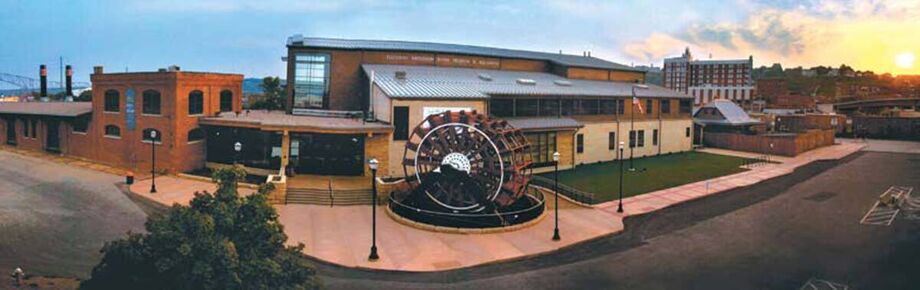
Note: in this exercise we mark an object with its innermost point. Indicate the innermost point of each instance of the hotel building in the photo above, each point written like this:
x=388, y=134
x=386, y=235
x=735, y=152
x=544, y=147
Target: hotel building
x=708, y=80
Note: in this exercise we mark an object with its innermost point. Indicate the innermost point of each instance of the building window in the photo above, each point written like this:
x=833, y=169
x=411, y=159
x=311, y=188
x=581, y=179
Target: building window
x=34, y=128
x=195, y=135
x=641, y=138
x=612, y=141
x=608, y=107
x=148, y=139
x=226, y=101
x=632, y=139
x=685, y=107
x=400, y=123
x=501, y=107
x=542, y=147
x=526, y=107
x=648, y=107
x=151, y=102
x=112, y=131
x=621, y=107
x=580, y=143
x=665, y=106
x=549, y=107
x=688, y=132
x=655, y=137
x=311, y=80
x=80, y=125
x=112, y=99
x=195, y=103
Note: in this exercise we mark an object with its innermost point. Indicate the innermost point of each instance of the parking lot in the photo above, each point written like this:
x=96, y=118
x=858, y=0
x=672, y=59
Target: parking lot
x=55, y=218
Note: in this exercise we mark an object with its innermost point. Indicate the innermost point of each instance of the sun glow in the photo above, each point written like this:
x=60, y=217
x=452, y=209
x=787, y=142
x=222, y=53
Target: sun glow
x=905, y=60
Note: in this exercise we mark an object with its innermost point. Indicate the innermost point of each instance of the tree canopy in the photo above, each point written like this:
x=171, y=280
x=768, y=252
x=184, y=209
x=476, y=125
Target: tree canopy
x=272, y=95
x=219, y=241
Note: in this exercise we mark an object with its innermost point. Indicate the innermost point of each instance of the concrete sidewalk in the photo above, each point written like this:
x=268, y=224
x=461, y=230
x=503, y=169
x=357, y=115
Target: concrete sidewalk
x=172, y=190
x=656, y=200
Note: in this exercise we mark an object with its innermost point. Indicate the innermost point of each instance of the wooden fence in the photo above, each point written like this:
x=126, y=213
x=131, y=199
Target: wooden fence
x=787, y=144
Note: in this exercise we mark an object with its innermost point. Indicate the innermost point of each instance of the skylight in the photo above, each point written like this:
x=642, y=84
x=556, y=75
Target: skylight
x=526, y=82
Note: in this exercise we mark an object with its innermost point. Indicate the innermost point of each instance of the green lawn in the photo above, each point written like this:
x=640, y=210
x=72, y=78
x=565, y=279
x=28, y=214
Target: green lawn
x=659, y=172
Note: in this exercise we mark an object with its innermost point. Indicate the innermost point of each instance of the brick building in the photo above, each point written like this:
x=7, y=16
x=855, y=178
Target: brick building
x=708, y=80
x=115, y=127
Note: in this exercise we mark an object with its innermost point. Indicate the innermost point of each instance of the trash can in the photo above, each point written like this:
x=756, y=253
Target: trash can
x=129, y=178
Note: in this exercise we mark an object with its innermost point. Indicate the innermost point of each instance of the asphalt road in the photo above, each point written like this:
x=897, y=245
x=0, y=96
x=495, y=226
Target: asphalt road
x=774, y=235
x=54, y=218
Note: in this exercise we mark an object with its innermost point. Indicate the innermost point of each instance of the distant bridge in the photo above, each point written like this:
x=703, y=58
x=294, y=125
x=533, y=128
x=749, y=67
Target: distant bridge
x=27, y=84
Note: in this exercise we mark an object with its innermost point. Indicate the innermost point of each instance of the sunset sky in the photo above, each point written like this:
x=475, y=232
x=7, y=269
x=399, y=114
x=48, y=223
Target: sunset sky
x=248, y=36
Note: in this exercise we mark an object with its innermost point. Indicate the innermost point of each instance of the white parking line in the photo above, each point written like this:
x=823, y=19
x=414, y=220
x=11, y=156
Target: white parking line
x=880, y=215
x=818, y=284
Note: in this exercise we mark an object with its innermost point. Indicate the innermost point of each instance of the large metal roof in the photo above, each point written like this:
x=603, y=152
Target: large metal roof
x=544, y=123
x=57, y=109
x=445, y=82
x=393, y=45
x=733, y=114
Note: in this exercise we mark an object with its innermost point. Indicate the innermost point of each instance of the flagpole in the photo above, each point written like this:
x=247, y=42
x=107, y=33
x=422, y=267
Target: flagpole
x=634, y=138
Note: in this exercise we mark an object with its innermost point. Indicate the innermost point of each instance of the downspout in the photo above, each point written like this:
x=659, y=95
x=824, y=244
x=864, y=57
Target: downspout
x=370, y=98
x=660, y=128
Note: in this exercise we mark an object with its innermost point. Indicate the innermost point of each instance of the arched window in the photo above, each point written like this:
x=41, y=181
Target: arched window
x=112, y=100
x=195, y=135
x=112, y=131
x=195, y=102
x=148, y=138
x=226, y=101
x=151, y=102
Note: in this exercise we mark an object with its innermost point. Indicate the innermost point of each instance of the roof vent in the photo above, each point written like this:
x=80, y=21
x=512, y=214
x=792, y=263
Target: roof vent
x=173, y=68
x=529, y=82
x=485, y=77
x=563, y=83
x=400, y=75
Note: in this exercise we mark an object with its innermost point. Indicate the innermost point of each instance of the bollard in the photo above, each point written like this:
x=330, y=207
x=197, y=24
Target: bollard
x=129, y=178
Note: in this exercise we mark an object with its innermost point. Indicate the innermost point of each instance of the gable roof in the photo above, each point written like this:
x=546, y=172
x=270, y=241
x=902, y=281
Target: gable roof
x=732, y=114
x=446, y=82
x=57, y=109
x=413, y=46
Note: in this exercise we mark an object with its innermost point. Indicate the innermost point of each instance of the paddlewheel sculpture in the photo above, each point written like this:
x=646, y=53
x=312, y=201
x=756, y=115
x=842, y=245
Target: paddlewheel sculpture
x=464, y=165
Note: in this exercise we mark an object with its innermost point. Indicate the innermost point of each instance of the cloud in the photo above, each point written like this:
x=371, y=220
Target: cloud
x=864, y=33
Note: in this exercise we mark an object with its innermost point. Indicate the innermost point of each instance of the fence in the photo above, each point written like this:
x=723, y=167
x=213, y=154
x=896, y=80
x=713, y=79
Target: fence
x=789, y=144
x=574, y=194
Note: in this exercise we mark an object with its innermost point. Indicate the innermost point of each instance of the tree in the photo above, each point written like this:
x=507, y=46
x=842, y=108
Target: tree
x=219, y=241
x=85, y=96
x=272, y=95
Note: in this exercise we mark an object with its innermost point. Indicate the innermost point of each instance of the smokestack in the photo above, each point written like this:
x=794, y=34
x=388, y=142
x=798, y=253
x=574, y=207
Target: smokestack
x=68, y=81
x=43, y=78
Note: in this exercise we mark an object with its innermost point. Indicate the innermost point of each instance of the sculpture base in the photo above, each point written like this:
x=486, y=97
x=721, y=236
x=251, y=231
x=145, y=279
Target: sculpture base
x=418, y=208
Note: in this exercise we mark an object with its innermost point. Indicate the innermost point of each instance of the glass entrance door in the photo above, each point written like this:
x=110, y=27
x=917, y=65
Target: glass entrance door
x=327, y=154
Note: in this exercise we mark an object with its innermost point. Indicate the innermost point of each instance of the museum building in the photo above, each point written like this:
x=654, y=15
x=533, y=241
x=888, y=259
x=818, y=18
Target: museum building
x=353, y=100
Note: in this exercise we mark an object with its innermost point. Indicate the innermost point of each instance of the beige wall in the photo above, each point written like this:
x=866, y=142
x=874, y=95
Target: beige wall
x=672, y=138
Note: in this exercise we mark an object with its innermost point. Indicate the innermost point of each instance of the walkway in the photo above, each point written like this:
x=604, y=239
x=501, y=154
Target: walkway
x=172, y=190
x=653, y=201
x=342, y=235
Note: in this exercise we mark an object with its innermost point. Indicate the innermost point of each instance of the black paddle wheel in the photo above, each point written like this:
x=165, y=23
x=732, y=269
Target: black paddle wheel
x=464, y=169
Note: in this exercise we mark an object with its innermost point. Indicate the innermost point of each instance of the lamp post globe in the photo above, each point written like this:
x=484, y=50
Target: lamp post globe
x=620, y=205
x=556, y=194
x=372, y=164
x=237, y=147
x=153, y=161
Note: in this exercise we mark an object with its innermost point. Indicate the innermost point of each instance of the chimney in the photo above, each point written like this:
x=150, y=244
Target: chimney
x=68, y=83
x=43, y=78
x=98, y=70
x=400, y=75
x=589, y=53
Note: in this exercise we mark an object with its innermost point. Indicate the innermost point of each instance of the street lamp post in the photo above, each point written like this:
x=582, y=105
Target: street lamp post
x=632, y=132
x=373, y=166
x=620, y=206
x=153, y=158
x=237, y=147
x=556, y=194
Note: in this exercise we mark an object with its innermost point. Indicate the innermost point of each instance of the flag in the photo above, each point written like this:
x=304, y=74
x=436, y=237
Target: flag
x=638, y=104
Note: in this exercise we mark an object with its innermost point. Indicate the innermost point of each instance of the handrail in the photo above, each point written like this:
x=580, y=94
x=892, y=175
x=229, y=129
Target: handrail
x=573, y=193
